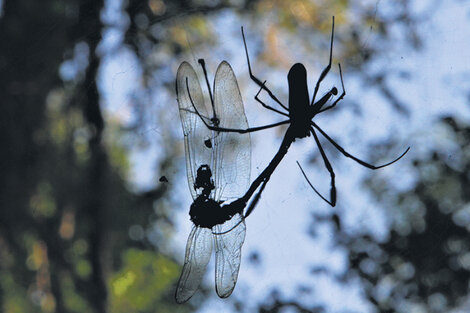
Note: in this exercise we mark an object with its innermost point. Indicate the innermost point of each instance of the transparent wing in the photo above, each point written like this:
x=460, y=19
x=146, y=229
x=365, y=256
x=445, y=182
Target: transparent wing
x=198, y=254
x=232, y=150
x=195, y=132
x=228, y=254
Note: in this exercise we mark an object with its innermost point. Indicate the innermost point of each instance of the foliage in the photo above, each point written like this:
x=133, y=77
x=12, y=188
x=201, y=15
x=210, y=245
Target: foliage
x=142, y=283
x=66, y=208
x=425, y=262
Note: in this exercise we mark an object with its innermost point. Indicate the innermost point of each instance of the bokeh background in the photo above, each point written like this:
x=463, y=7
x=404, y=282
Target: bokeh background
x=89, y=123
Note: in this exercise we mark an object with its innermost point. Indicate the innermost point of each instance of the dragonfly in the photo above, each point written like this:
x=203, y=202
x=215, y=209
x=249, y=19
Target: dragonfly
x=300, y=113
x=218, y=168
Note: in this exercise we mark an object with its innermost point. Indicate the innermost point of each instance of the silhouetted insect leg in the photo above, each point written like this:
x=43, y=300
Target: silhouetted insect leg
x=258, y=81
x=265, y=105
x=231, y=130
x=328, y=67
x=348, y=155
x=194, y=112
x=340, y=96
x=203, y=65
x=328, y=166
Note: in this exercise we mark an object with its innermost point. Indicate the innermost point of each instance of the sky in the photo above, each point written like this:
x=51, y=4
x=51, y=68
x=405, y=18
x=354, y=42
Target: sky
x=278, y=226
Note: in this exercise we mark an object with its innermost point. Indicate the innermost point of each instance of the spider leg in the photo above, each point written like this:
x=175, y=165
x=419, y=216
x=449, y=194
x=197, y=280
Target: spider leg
x=328, y=166
x=317, y=106
x=340, y=97
x=256, y=80
x=348, y=155
x=231, y=130
x=328, y=67
x=203, y=65
x=265, y=105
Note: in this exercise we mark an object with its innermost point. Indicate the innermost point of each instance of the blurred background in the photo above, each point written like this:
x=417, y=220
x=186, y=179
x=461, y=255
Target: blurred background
x=89, y=123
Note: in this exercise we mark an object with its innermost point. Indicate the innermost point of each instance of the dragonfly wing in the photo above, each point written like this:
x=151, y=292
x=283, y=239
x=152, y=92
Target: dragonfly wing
x=232, y=150
x=198, y=254
x=195, y=132
x=228, y=254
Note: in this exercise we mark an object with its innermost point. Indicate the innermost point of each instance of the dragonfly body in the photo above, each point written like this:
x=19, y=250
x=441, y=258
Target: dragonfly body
x=218, y=171
x=205, y=211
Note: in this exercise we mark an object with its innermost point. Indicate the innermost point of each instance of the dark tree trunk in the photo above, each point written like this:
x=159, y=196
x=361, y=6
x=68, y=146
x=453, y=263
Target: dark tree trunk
x=90, y=26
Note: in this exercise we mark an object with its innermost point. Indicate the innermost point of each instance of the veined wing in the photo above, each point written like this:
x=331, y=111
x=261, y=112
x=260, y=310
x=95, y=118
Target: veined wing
x=198, y=254
x=232, y=150
x=228, y=254
x=195, y=132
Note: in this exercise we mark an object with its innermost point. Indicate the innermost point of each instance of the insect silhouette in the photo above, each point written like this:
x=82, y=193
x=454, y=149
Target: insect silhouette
x=218, y=170
x=300, y=113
